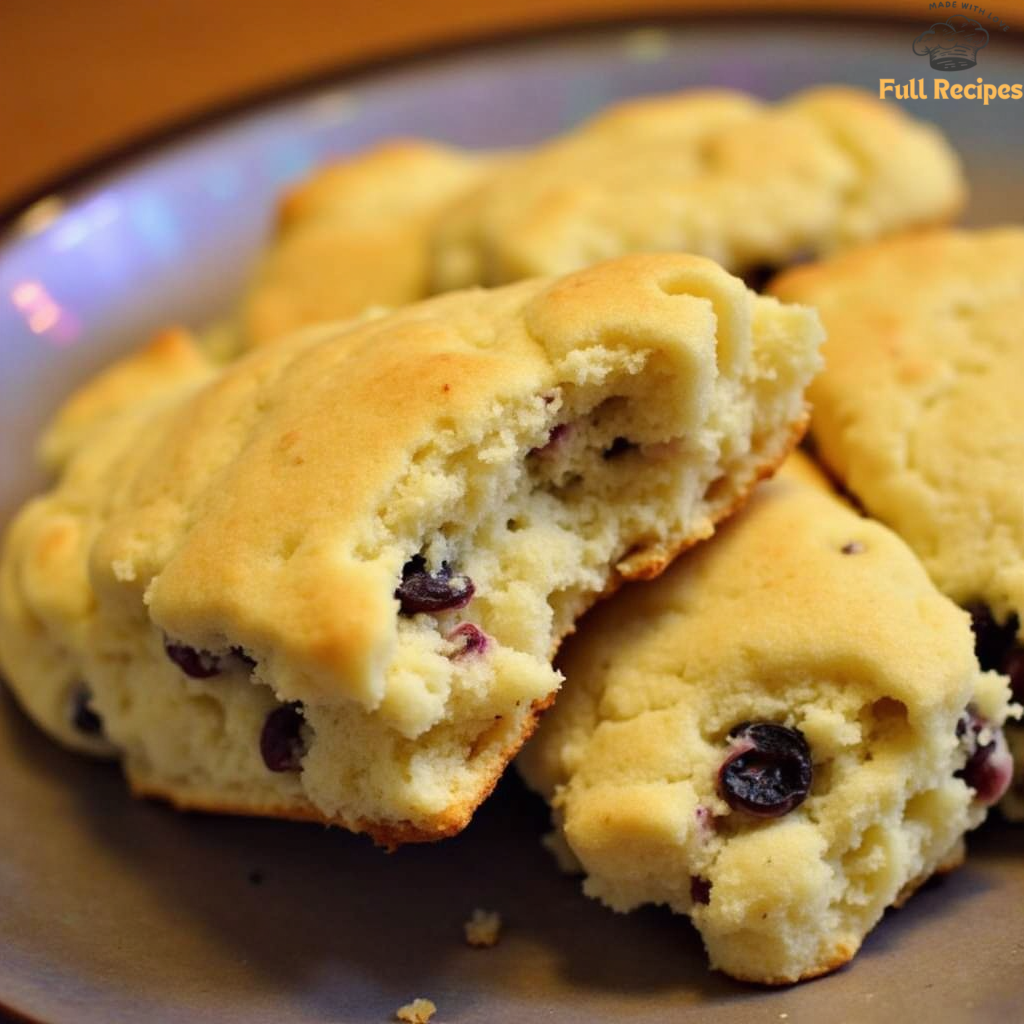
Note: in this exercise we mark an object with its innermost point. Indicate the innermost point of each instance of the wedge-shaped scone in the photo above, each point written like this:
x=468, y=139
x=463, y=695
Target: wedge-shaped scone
x=355, y=235
x=919, y=414
x=718, y=173
x=326, y=582
x=778, y=738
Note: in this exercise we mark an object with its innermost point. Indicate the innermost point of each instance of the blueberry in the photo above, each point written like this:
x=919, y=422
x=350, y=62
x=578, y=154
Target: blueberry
x=700, y=890
x=471, y=640
x=424, y=591
x=197, y=664
x=768, y=771
x=989, y=766
x=281, y=742
x=992, y=641
x=83, y=718
x=618, y=447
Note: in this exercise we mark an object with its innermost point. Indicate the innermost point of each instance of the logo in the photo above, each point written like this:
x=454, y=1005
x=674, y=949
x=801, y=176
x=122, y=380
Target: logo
x=952, y=45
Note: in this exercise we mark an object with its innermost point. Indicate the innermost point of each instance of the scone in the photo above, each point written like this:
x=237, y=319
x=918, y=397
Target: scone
x=918, y=414
x=781, y=737
x=326, y=581
x=719, y=173
x=355, y=235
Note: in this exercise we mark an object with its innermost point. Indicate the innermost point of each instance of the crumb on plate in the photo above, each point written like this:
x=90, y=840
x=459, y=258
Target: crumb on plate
x=483, y=928
x=419, y=1011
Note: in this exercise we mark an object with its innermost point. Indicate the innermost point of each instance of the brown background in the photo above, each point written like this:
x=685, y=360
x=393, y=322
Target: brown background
x=78, y=77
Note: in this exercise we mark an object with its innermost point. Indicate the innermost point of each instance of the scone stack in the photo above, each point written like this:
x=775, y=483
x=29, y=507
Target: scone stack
x=318, y=564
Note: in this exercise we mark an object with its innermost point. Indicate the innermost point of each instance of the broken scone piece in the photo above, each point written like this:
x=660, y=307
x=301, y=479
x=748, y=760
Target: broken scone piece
x=918, y=413
x=781, y=737
x=326, y=582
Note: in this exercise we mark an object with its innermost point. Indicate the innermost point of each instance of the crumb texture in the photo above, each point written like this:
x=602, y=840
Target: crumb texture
x=326, y=581
x=855, y=654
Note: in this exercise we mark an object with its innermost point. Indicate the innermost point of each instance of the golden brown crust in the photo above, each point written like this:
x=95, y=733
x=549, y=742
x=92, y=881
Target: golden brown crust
x=389, y=835
x=840, y=956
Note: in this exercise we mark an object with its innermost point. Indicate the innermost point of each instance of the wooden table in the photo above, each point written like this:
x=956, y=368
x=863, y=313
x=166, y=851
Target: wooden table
x=79, y=77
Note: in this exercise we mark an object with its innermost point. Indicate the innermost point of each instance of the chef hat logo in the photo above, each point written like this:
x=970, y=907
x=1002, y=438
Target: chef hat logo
x=952, y=45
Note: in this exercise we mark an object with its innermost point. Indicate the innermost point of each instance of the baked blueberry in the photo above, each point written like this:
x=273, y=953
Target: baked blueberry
x=194, y=663
x=281, y=742
x=989, y=766
x=768, y=771
x=425, y=591
x=471, y=640
x=83, y=718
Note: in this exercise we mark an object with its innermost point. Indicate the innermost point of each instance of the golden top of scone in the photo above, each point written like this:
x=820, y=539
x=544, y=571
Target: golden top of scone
x=717, y=172
x=918, y=409
x=354, y=235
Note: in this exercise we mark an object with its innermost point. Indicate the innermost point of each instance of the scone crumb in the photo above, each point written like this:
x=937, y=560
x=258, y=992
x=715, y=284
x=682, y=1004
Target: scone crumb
x=419, y=1011
x=483, y=929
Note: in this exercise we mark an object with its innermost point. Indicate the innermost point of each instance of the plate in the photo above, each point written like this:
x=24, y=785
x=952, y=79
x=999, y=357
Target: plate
x=116, y=910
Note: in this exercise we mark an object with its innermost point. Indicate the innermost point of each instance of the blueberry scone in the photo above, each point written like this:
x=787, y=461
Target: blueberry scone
x=919, y=415
x=719, y=173
x=781, y=737
x=355, y=235
x=750, y=184
x=326, y=581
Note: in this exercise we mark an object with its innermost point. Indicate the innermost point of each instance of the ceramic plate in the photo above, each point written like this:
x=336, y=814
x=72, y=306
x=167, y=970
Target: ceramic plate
x=113, y=910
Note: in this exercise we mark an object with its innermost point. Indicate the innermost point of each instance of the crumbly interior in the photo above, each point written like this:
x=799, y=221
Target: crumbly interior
x=769, y=622
x=559, y=492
